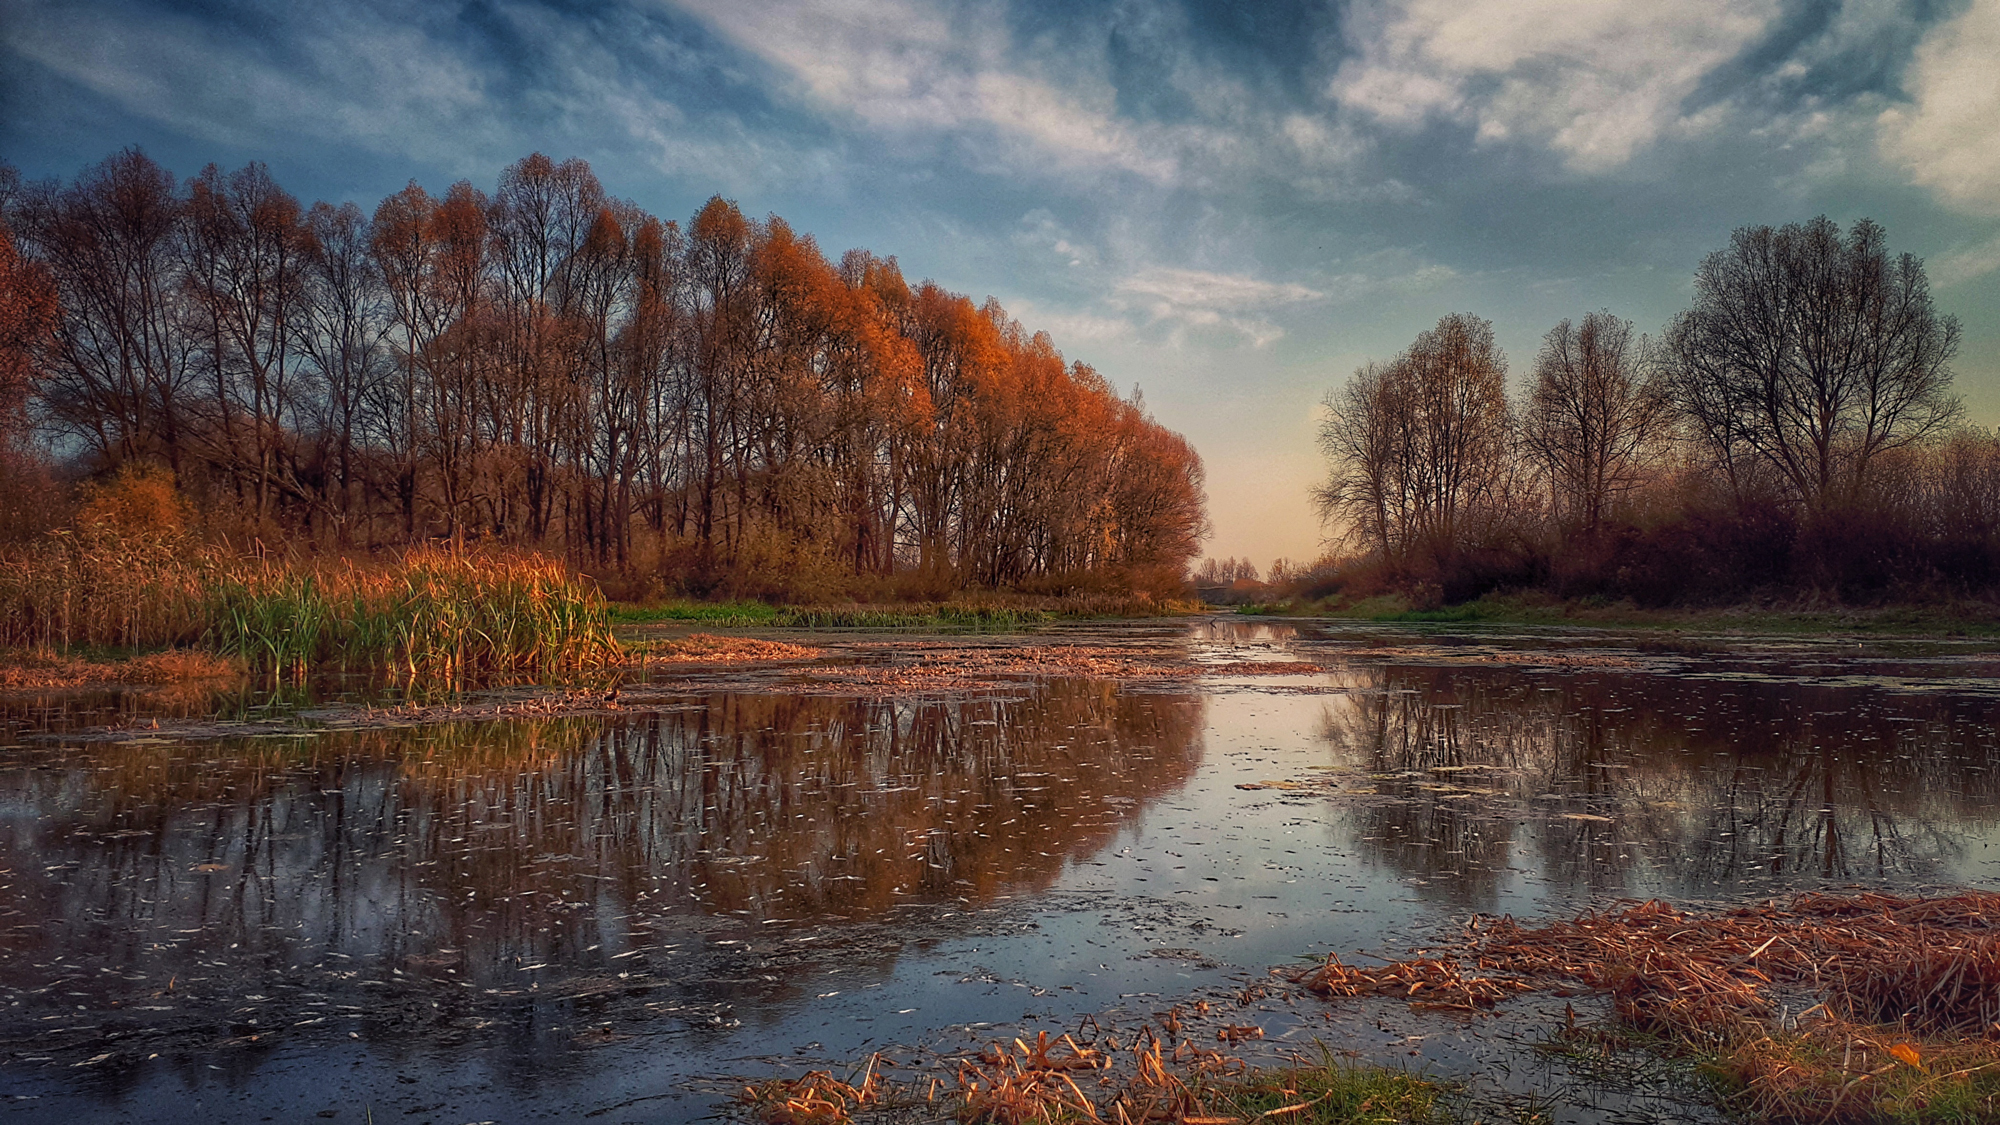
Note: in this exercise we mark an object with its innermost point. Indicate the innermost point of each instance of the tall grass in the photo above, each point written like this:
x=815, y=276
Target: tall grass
x=432, y=617
x=428, y=616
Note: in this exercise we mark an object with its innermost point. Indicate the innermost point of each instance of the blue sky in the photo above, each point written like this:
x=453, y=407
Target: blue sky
x=1230, y=204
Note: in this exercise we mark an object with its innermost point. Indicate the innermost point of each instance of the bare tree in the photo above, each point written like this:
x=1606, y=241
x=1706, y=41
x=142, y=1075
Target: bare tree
x=244, y=251
x=1364, y=440
x=28, y=317
x=1812, y=354
x=1592, y=417
x=120, y=368
x=341, y=328
x=1420, y=445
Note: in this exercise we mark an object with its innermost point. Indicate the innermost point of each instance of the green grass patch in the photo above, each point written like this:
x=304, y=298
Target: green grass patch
x=1858, y=1075
x=1969, y=620
x=936, y=618
x=949, y=618
x=721, y=614
x=1335, y=1093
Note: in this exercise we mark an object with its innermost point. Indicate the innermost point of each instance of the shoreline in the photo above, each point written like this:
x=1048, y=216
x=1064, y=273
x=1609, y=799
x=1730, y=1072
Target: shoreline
x=1914, y=621
x=722, y=636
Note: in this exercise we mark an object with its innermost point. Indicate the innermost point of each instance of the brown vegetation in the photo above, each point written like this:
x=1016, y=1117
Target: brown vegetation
x=128, y=574
x=36, y=669
x=1827, y=1008
x=707, y=648
x=708, y=408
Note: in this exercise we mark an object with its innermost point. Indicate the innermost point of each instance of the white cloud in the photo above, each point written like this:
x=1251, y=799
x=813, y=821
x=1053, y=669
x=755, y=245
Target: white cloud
x=910, y=65
x=1235, y=304
x=1228, y=291
x=1070, y=327
x=1595, y=80
x=385, y=83
x=1949, y=136
x=1039, y=230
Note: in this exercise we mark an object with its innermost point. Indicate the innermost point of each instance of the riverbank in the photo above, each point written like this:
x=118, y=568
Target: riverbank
x=979, y=611
x=1968, y=618
x=1849, y=1009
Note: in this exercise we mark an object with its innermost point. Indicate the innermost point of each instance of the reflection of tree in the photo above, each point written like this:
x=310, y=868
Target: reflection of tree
x=1656, y=783
x=63, y=710
x=476, y=847
x=1427, y=760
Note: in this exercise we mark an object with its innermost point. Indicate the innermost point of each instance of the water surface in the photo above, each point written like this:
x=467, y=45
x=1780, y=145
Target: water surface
x=566, y=916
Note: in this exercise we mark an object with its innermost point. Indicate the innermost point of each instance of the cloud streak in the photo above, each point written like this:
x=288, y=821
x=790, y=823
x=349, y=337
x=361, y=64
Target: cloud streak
x=339, y=72
x=904, y=65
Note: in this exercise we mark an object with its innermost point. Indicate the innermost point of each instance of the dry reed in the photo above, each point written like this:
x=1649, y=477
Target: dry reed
x=429, y=616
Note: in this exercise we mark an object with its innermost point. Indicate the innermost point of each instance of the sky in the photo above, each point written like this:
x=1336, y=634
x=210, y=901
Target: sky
x=1228, y=204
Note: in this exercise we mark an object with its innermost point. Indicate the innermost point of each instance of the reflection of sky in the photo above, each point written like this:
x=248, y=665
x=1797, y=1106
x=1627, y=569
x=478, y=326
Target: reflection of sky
x=1234, y=204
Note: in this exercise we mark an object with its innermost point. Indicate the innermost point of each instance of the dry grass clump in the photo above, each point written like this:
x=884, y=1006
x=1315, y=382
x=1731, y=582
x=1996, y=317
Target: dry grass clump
x=36, y=669
x=818, y=1098
x=129, y=575
x=95, y=588
x=433, y=617
x=1931, y=966
x=1838, y=1071
x=428, y=616
x=1907, y=1024
x=707, y=648
x=125, y=575
x=1427, y=982
x=1030, y=1083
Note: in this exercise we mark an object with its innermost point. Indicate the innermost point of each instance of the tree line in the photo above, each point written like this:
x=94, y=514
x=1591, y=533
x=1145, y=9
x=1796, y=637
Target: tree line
x=717, y=405
x=1793, y=429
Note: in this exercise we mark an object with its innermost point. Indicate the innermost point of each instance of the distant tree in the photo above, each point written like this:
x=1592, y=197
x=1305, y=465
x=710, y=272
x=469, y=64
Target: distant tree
x=1811, y=354
x=341, y=330
x=1222, y=572
x=1592, y=417
x=1419, y=445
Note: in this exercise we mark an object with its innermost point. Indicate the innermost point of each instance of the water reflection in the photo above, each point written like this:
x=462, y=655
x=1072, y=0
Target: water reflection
x=466, y=853
x=1636, y=784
